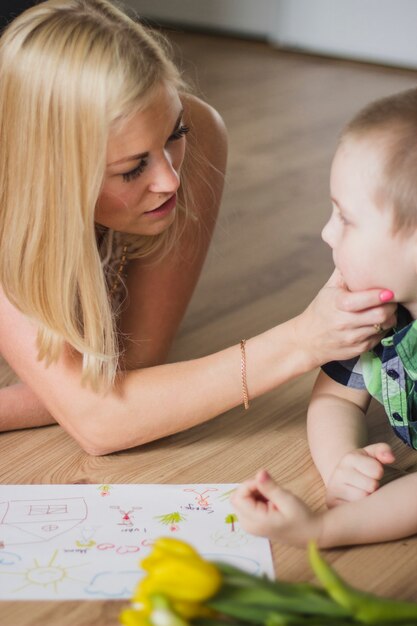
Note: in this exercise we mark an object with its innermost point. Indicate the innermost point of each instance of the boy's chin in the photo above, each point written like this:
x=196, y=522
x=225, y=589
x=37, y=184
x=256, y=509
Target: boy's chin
x=357, y=285
x=351, y=285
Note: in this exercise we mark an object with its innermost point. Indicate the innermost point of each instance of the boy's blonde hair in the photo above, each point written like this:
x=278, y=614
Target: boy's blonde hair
x=70, y=70
x=394, y=120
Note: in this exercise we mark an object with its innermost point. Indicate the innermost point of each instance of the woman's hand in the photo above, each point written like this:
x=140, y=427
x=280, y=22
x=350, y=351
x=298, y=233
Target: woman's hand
x=340, y=324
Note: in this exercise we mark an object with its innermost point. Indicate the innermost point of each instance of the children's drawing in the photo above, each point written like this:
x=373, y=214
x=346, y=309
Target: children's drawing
x=9, y=558
x=226, y=494
x=71, y=542
x=113, y=585
x=171, y=519
x=231, y=519
x=48, y=575
x=201, y=498
x=86, y=534
x=232, y=540
x=118, y=549
x=28, y=521
x=126, y=516
x=104, y=490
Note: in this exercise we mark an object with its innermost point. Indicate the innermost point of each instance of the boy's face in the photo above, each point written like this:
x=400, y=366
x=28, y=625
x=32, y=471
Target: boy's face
x=359, y=230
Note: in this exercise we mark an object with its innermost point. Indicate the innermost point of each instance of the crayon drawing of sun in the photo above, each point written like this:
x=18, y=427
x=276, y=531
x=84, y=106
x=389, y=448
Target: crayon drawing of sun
x=49, y=575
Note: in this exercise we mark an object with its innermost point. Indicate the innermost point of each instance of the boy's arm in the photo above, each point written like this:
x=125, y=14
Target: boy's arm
x=337, y=436
x=387, y=514
x=266, y=509
x=335, y=423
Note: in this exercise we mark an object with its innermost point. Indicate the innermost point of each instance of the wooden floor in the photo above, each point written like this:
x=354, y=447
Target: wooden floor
x=283, y=112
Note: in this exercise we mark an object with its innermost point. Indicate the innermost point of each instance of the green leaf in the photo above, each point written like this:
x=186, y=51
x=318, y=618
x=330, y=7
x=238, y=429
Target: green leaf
x=366, y=608
x=235, y=577
x=266, y=600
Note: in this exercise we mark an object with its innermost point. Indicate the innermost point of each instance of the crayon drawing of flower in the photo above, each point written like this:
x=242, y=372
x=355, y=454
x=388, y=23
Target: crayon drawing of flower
x=171, y=519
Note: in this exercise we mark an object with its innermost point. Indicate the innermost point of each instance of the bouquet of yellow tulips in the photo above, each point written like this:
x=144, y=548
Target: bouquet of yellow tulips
x=181, y=588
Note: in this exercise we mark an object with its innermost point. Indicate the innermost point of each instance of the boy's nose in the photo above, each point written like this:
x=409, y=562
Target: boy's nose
x=326, y=234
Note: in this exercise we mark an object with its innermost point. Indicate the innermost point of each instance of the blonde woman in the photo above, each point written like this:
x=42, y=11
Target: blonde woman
x=102, y=196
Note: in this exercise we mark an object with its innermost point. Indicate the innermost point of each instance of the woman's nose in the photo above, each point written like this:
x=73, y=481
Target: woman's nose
x=166, y=178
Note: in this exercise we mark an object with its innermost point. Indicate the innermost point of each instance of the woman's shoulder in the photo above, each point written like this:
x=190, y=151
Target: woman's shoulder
x=206, y=121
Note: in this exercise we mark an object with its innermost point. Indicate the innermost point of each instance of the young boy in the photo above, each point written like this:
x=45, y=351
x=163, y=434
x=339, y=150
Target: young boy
x=372, y=232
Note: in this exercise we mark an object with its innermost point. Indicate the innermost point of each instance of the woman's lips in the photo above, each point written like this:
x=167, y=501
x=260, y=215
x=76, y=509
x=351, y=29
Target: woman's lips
x=164, y=208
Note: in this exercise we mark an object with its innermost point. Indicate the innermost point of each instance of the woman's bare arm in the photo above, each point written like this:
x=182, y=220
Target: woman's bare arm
x=157, y=401
x=148, y=403
x=21, y=408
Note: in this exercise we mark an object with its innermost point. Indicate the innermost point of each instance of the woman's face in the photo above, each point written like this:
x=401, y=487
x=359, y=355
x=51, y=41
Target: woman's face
x=144, y=158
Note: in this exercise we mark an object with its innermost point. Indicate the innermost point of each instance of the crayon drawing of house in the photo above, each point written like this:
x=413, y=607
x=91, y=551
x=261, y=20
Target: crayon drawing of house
x=30, y=521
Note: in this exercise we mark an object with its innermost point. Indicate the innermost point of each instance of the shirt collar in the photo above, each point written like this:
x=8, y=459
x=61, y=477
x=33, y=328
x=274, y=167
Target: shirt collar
x=404, y=339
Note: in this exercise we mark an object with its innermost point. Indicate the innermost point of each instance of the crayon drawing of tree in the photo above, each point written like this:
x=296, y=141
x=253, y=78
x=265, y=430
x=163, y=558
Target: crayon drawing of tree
x=231, y=519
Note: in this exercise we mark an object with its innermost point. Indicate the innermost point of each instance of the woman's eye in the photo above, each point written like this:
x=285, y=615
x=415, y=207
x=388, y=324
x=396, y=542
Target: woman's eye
x=137, y=171
x=180, y=132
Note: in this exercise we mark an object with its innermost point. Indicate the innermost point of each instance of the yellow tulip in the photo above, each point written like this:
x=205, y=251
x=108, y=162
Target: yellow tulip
x=177, y=571
x=175, y=547
x=177, y=583
x=189, y=610
x=161, y=614
x=130, y=617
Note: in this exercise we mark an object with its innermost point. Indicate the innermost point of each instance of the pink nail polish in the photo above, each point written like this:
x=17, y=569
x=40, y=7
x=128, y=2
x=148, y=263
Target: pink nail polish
x=386, y=295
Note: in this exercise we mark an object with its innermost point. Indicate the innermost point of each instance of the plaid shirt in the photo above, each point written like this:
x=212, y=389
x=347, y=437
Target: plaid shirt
x=389, y=373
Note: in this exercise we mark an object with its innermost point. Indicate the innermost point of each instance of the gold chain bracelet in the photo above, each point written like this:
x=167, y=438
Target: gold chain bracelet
x=243, y=373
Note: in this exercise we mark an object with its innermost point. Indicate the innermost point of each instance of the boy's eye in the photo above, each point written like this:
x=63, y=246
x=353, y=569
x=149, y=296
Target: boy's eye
x=137, y=171
x=340, y=217
x=180, y=132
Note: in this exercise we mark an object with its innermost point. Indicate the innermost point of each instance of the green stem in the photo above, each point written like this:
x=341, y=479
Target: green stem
x=364, y=607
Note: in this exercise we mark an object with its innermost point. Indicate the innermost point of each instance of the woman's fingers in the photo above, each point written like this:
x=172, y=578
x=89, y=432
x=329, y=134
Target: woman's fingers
x=354, y=301
x=340, y=324
x=386, y=317
x=373, y=307
x=336, y=280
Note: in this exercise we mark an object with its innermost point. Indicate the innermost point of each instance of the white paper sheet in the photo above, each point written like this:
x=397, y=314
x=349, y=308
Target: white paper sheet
x=60, y=542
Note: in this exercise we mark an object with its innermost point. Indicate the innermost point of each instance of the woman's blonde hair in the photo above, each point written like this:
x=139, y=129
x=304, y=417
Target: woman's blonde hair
x=392, y=121
x=69, y=71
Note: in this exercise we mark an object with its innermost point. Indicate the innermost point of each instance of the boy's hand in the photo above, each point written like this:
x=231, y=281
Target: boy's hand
x=266, y=509
x=358, y=474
